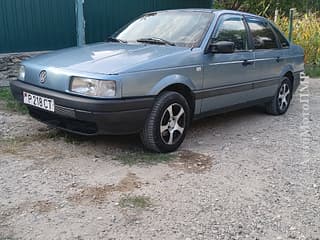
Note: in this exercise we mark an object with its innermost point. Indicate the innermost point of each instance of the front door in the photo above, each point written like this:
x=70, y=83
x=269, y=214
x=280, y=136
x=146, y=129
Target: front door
x=228, y=77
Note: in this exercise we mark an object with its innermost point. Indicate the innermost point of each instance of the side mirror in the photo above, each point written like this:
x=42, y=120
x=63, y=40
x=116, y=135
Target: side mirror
x=222, y=47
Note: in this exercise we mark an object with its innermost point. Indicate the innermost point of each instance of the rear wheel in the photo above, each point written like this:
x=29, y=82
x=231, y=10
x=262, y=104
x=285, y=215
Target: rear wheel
x=167, y=124
x=282, y=99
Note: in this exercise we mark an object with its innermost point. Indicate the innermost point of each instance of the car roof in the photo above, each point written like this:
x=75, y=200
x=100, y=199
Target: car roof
x=188, y=10
x=207, y=10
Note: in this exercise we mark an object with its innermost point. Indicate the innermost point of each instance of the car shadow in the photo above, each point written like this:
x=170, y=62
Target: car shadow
x=198, y=127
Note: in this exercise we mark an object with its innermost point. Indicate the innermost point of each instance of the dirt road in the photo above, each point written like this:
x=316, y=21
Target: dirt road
x=242, y=175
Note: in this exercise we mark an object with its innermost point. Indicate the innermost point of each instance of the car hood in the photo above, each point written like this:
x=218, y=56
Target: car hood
x=108, y=58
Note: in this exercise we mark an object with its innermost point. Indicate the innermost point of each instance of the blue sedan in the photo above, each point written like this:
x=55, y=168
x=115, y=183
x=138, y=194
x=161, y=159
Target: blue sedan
x=161, y=71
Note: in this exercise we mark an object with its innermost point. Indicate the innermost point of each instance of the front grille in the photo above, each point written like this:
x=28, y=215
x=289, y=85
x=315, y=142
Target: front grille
x=73, y=125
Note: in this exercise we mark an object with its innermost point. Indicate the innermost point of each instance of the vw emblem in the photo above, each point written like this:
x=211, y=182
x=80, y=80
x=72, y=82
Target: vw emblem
x=43, y=76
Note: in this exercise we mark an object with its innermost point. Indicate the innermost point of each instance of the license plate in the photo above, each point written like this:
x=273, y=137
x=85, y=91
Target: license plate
x=38, y=101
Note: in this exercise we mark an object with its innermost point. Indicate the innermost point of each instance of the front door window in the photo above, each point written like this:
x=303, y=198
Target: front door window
x=232, y=29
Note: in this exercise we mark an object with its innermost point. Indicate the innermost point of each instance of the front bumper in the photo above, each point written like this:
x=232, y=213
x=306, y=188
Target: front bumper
x=88, y=116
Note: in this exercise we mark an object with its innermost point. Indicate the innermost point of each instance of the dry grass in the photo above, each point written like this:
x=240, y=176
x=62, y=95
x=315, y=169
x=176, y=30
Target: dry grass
x=192, y=162
x=306, y=33
x=98, y=194
x=16, y=145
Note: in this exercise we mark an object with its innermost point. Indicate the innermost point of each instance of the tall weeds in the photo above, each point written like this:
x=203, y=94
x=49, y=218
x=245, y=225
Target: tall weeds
x=306, y=33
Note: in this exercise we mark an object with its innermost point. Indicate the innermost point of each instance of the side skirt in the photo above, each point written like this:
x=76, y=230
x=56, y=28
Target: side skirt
x=232, y=108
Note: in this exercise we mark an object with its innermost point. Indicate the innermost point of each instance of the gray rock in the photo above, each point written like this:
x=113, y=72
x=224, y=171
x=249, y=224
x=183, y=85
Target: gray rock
x=9, y=67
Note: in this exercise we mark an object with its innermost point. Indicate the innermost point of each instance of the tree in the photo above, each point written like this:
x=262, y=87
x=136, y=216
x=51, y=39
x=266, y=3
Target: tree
x=268, y=7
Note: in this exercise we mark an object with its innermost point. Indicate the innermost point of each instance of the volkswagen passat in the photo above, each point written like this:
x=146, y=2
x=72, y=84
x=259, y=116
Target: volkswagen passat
x=161, y=71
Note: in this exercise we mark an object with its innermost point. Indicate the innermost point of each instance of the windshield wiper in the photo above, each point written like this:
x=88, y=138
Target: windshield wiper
x=155, y=40
x=113, y=39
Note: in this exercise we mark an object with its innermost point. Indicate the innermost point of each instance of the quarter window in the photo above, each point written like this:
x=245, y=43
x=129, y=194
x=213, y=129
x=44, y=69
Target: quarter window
x=232, y=29
x=263, y=36
x=283, y=41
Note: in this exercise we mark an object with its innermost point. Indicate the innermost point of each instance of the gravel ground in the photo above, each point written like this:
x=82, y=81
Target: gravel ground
x=241, y=175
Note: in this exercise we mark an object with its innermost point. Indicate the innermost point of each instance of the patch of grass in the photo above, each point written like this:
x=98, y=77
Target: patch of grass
x=141, y=157
x=55, y=135
x=11, y=147
x=67, y=137
x=313, y=70
x=72, y=138
x=15, y=144
x=7, y=238
x=135, y=202
x=10, y=103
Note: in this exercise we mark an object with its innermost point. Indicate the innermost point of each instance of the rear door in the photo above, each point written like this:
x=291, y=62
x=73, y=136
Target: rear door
x=269, y=56
x=228, y=77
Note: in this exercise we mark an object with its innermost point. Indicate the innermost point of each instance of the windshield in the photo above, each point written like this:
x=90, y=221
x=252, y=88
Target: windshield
x=180, y=28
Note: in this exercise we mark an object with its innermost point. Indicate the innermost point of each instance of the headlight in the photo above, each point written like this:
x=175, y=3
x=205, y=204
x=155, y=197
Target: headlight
x=92, y=87
x=22, y=73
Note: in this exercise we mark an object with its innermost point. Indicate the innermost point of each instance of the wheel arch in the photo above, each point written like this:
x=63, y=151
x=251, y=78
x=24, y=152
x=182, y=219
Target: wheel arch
x=288, y=72
x=176, y=83
x=291, y=77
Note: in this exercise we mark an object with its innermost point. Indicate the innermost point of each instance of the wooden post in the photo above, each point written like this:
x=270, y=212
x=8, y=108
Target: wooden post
x=276, y=13
x=80, y=22
x=291, y=23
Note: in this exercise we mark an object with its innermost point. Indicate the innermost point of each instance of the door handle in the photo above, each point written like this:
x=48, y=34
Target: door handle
x=278, y=59
x=247, y=63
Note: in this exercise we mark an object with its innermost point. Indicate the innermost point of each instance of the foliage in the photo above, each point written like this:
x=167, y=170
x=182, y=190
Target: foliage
x=306, y=27
x=267, y=7
x=306, y=33
x=313, y=70
x=10, y=103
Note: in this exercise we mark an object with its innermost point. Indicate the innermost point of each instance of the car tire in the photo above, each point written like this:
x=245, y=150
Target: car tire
x=282, y=99
x=167, y=123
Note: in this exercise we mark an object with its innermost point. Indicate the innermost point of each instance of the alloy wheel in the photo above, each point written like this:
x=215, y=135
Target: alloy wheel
x=172, y=124
x=284, y=97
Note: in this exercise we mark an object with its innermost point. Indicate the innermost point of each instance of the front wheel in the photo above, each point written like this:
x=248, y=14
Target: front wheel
x=167, y=123
x=282, y=99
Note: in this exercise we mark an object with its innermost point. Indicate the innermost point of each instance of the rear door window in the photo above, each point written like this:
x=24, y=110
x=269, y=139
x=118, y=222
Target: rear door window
x=262, y=34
